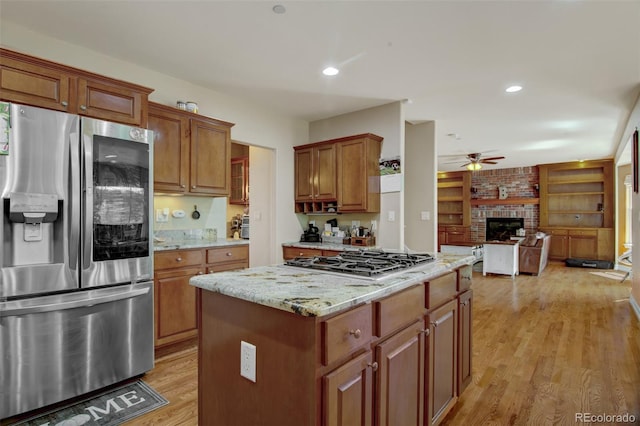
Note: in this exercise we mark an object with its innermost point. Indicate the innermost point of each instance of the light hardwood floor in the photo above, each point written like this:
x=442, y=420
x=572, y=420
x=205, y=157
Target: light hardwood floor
x=544, y=349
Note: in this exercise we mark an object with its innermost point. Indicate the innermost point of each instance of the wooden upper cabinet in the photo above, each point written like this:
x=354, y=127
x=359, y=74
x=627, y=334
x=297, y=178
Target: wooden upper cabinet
x=315, y=171
x=111, y=102
x=359, y=174
x=210, y=157
x=170, y=150
x=338, y=175
x=192, y=153
x=41, y=83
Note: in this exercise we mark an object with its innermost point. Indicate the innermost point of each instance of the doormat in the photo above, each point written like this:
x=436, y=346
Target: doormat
x=109, y=408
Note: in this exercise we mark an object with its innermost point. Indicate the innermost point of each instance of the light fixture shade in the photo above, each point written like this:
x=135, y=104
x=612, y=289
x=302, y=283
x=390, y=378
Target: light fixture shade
x=474, y=166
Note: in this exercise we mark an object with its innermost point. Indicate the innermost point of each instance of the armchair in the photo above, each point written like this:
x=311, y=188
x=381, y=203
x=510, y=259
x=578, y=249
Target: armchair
x=534, y=254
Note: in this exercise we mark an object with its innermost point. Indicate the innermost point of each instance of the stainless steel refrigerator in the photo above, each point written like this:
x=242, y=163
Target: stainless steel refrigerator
x=76, y=289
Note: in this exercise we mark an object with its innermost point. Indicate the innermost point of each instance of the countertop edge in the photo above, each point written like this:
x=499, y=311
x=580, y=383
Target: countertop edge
x=194, y=244
x=302, y=295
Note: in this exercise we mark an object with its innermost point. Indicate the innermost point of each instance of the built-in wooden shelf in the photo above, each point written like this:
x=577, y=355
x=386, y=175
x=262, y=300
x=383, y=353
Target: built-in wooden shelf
x=506, y=201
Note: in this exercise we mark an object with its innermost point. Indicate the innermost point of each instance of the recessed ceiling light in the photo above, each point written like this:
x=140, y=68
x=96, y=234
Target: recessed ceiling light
x=279, y=9
x=330, y=71
x=513, y=89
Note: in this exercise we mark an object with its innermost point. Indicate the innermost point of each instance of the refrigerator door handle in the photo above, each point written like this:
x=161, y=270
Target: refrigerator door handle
x=8, y=311
x=74, y=222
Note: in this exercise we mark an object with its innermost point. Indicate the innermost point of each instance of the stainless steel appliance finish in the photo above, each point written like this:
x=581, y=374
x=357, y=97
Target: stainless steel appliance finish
x=363, y=263
x=76, y=290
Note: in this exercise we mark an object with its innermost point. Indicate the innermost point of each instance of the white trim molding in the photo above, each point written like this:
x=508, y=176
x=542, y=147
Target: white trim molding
x=635, y=306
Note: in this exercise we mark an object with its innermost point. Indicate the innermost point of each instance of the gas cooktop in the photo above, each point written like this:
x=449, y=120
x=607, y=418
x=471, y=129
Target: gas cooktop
x=362, y=263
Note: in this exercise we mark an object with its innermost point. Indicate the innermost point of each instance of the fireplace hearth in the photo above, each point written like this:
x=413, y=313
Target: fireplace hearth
x=502, y=228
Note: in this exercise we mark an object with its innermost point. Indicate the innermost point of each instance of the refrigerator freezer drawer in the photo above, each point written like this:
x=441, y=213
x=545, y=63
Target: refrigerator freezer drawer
x=94, y=339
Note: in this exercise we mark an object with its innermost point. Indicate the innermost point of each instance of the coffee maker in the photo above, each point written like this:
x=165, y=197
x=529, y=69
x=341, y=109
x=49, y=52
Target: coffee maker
x=311, y=235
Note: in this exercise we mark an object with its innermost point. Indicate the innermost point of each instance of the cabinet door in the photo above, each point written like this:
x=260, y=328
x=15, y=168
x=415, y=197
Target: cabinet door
x=175, y=306
x=400, y=378
x=239, y=189
x=352, y=176
x=303, y=165
x=210, y=158
x=442, y=391
x=36, y=85
x=170, y=150
x=348, y=393
x=111, y=102
x=584, y=247
x=464, y=340
x=324, y=172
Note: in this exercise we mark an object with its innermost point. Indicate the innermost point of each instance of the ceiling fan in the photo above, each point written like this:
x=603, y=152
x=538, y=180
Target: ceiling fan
x=476, y=161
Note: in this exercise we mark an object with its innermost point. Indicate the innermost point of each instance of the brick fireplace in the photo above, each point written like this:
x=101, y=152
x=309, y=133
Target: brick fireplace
x=520, y=183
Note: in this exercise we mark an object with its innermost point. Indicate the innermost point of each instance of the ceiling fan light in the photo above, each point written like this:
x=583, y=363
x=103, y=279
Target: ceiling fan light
x=474, y=166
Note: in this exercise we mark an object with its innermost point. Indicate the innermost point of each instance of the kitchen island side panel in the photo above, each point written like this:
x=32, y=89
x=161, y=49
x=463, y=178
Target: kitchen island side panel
x=286, y=387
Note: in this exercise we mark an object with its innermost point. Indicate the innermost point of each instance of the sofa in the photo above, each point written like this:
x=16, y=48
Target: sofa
x=534, y=253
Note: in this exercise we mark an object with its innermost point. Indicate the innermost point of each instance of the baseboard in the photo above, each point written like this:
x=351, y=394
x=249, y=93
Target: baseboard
x=635, y=306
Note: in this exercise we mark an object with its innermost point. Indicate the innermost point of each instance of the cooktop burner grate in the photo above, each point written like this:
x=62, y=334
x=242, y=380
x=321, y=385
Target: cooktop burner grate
x=368, y=263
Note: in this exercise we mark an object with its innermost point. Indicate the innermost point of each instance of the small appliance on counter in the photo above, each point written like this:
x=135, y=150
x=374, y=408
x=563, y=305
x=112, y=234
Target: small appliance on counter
x=244, y=227
x=311, y=235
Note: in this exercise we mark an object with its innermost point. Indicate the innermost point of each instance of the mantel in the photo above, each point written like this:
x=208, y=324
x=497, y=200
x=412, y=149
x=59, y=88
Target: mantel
x=506, y=201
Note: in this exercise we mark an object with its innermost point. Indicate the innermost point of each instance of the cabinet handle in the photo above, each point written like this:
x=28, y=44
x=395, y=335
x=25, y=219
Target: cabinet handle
x=178, y=259
x=426, y=331
x=83, y=107
x=356, y=333
x=373, y=365
x=64, y=103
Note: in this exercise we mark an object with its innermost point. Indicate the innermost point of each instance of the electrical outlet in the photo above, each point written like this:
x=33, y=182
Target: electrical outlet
x=391, y=216
x=248, y=361
x=425, y=215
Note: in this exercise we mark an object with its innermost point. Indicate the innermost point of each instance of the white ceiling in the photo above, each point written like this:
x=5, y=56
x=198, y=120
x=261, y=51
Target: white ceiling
x=578, y=61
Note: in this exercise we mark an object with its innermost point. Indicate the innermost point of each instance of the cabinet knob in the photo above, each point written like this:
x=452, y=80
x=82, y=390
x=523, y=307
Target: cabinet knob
x=426, y=331
x=64, y=103
x=373, y=365
x=356, y=333
x=193, y=187
x=229, y=254
x=83, y=107
x=178, y=259
x=200, y=272
x=183, y=186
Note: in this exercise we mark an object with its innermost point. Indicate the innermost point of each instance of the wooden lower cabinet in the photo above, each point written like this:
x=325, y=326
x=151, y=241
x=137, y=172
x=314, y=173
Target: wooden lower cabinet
x=293, y=252
x=175, y=306
x=176, y=301
x=465, y=340
x=395, y=361
x=442, y=361
x=400, y=378
x=348, y=393
x=581, y=243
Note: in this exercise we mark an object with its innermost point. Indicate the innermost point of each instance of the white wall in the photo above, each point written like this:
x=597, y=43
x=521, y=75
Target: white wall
x=386, y=121
x=255, y=125
x=420, y=167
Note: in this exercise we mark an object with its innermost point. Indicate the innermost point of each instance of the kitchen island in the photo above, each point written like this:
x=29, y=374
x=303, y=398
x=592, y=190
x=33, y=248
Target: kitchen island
x=330, y=349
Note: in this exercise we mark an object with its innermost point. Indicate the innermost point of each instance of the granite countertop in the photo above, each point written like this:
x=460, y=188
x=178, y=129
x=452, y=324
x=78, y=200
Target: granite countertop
x=313, y=293
x=329, y=246
x=196, y=243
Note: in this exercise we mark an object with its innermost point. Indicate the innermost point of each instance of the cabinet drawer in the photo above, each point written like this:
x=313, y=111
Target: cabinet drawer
x=583, y=233
x=227, y=267
x=464, y=278
x=440, y=289
x=398, y=310
x=228, y=254
x=558, y=232
x=293, y=252
x=177, y=258
x=345, y=333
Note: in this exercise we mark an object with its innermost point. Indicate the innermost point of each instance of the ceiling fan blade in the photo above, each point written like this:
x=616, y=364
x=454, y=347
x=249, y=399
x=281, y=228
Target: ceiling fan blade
x=488, y=162
x=492, y=158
